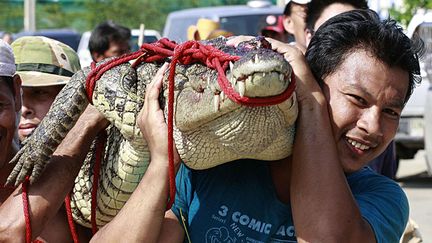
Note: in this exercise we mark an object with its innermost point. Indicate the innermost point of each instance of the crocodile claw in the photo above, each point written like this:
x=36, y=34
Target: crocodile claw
x=38, y=148
x=13, y=177
x=32, y=166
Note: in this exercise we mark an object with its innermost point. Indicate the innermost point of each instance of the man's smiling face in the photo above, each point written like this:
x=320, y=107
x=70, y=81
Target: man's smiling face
x=9, y=107
x=365, y=99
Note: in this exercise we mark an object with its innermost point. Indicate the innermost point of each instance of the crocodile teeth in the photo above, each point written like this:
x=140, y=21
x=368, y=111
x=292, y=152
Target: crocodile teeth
x=264, y=74
x=358, y=144
x=231, y=66
x=256, y=59
x=216, y=102
x=241, y=88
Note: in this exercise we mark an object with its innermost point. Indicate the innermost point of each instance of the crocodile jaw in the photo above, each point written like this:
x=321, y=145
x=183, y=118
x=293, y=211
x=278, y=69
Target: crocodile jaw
x=259, y=74
x=211, y=129
x=262, y=133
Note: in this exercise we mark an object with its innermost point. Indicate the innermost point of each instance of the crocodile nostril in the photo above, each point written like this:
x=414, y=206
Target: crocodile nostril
x=199, y=89
x=263, y=43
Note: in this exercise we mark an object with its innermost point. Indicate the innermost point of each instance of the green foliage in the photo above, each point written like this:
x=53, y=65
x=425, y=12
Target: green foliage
x=11, y=17
x=84, y=15
x=55, y=15
x=126, y=12
x=409, y=8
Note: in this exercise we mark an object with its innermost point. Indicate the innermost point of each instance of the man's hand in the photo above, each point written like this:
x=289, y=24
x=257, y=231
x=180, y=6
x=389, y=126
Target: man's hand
x=144, y=212
x=152, y=123
x=306, y=83
x=93, y=118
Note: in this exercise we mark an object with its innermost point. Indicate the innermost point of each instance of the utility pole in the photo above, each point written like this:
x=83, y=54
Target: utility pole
x=29, y=15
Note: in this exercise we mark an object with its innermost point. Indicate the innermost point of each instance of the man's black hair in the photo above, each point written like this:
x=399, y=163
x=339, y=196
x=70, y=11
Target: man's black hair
x=105, y=33
x=363, y=30
x=9, y=82
x=316, y=8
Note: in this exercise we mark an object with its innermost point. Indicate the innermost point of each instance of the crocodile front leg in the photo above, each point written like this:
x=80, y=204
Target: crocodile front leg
x=38, y=148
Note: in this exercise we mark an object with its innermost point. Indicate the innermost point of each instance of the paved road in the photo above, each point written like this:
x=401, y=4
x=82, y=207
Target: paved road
x=417, y=184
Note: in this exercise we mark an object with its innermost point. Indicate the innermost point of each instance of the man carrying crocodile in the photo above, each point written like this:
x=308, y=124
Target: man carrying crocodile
x=47, y=195
x=366, y=70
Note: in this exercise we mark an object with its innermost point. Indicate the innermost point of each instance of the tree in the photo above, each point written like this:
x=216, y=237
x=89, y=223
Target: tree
x=83, y=15
x=408, y=10
x=133, y=12
x=11, y=17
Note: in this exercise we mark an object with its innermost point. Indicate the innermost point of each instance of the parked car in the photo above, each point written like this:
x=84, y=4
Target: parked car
x=411, y=133
x=248, y=19
x=150, y=36
x=68, y=36
x=422, y=25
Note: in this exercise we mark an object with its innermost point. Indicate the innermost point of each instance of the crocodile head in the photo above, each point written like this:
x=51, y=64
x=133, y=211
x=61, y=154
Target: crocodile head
x=211, y=129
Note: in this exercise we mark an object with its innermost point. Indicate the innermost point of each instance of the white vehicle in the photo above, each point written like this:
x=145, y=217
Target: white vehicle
x=247, y=19
x=411, y=133
x=415, y=128
x=84, y=53
x=421, y=24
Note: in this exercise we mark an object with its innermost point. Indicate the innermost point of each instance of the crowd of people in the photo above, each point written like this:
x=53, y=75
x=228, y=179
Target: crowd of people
x=354, y=75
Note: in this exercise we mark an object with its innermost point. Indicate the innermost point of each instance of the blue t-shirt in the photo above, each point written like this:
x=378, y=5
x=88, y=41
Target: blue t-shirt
x=237, y=202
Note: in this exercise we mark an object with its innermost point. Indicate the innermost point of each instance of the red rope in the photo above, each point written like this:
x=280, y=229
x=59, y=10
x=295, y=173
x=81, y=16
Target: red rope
x=187, y=53
x=100, y=145
x=26, y=208
x=71, y=223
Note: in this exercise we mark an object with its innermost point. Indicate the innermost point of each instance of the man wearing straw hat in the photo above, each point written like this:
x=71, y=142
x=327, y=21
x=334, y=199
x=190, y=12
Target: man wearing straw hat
x=206, y=29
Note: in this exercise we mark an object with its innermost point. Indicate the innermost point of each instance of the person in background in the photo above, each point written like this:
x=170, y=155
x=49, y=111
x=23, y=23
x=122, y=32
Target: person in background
x=276, y=31
x=109, y=39
x=7, y=37
x=319, y=11
x=45, y=196
x=45, y=66
x=294, y=21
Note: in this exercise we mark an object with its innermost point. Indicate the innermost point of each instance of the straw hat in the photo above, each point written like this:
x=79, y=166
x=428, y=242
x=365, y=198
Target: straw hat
x=206, y=29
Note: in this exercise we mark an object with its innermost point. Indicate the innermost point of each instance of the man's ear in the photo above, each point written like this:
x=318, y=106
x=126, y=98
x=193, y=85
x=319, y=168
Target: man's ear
x=288, y=24
x=17, y=92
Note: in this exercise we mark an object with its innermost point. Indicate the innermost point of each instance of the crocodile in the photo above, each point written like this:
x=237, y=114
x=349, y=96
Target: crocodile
x=209, y=128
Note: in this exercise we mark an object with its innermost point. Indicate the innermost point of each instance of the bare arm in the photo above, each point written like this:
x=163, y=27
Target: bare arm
x=324, y=209
x=144, y=215
x=47, y=194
